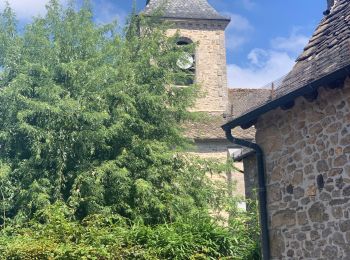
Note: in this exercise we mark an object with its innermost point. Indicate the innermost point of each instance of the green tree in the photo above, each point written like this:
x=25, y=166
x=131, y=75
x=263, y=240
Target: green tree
x=85, y=109
x=90, y=125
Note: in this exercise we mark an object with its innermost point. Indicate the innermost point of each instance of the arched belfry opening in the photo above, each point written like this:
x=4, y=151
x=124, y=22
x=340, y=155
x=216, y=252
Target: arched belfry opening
x=183, y=41
x=186, y=62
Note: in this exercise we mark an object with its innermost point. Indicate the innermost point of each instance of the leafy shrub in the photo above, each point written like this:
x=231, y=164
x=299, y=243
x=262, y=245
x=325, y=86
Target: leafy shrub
x=195, y=236
x=90, y=146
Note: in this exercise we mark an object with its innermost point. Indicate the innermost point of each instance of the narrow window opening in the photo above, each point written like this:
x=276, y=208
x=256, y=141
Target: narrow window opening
x=186, y=63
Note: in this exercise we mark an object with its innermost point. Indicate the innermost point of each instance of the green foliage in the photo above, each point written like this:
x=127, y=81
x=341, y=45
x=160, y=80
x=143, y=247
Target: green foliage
x=90, y=137
x=53, y=235
x=82, y=98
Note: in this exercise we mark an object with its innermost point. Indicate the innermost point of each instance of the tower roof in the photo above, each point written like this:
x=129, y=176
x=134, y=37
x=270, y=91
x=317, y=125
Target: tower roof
x=184, y=9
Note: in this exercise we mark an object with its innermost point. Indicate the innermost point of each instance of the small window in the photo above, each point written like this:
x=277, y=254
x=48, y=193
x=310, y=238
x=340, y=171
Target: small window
x=183, y=42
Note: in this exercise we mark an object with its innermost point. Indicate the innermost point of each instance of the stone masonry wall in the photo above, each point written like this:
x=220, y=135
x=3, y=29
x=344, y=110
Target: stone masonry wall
x=210, y=62
x=218, y=151
x=250, y=177
x=235, y=178
x=307, y=152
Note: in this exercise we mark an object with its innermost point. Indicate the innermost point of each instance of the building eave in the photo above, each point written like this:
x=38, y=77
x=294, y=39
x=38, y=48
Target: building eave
x=243, y=156
x=250, y=118
x=197, y=19
x=224, y=21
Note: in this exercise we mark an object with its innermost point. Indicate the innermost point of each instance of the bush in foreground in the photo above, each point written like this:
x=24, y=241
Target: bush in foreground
x=51, y=235
x=90, y=129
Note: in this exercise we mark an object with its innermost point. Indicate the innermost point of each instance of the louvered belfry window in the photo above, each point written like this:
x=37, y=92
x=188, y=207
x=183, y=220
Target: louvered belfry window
x=186, y=63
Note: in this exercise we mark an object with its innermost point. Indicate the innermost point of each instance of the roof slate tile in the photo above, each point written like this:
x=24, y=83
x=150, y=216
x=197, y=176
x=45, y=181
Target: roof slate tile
x=239, y=100
x=184, y=9
x=327, y=50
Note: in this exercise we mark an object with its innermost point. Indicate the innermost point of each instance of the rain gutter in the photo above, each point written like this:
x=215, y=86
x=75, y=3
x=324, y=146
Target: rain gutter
x=309, y=91
x=265, y=242
x=287, y=101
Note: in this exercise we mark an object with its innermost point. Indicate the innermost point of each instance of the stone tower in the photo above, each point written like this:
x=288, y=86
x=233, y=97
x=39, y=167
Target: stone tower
x=198, y=22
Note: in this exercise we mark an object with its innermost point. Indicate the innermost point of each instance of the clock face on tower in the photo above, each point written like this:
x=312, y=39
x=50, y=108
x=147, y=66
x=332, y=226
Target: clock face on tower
x=186, y=62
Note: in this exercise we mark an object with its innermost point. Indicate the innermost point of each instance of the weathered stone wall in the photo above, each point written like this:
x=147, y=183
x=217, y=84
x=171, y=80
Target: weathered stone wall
x=307, y=151
x=217, y=150
x=250, y=177
x=212, y=146
x=210, y=62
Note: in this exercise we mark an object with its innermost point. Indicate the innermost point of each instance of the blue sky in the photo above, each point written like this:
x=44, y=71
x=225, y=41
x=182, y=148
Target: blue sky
x=263, y=38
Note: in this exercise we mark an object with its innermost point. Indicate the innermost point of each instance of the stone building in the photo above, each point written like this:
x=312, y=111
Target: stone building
x=197, y=22
x=302, y=149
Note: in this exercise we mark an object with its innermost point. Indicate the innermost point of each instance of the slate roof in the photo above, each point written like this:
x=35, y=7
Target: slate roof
x=239, y=100
x=184, y=9
x=326, y=57
x=210, y=128
x=327, y=50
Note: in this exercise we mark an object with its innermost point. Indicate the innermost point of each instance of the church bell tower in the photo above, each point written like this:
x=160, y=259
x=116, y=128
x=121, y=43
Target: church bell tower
x=198, y=22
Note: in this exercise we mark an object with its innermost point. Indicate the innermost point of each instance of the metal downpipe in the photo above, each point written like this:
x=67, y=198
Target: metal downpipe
x=265, y=240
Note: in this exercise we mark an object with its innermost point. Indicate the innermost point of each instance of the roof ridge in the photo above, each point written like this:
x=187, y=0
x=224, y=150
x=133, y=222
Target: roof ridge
x=184, y=9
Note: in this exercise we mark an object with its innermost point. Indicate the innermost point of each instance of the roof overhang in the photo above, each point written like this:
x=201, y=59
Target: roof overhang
x=242, y=156
x=250, y=118
x=196, y=19
x=223, y=21
x=216, y=140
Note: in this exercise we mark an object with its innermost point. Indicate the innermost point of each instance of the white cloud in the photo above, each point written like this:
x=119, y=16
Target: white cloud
x=294, y=43
x=259, y=73
x=26, y=9
x=234, y=41
x=239, y=23
x=267, y=65
x=238, y=31
x=107, y=12
x=248, y=4
x=257, y=55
